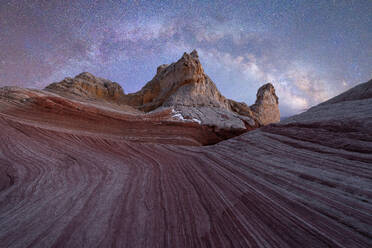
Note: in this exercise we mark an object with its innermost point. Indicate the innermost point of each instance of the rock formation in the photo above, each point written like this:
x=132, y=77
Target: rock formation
x=68, y=178
x=266, y=107
x=85, y=85
x=180, y=83
x=186, y=90
x=181, y=99
x=185, y=87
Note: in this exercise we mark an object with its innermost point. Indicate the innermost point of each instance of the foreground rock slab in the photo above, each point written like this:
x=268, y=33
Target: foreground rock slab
x=306, y=182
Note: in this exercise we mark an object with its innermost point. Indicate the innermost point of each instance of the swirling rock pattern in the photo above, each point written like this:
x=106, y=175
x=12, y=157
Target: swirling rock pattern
x=306, y=182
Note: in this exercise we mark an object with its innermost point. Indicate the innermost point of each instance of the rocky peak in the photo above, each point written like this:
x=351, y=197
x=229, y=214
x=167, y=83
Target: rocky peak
x=86, y=76
x=167, y=81
x=266, y=95
x=184, y=87
x=194, y=54
x=266, y=107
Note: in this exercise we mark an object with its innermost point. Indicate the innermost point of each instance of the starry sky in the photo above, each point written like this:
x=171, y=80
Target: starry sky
x=310, y=50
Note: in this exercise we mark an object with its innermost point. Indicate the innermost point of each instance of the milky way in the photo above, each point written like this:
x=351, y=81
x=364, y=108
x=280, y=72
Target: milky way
x=310, y=50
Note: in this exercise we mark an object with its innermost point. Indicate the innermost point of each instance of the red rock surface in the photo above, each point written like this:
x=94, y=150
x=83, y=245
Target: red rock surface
x=306, y=182
x=53, y=112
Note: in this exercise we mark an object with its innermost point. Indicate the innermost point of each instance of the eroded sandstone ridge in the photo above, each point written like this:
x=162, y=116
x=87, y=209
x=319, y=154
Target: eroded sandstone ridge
x=64, y=182
x=180, y=105
x=185, y=89
x=87, y=86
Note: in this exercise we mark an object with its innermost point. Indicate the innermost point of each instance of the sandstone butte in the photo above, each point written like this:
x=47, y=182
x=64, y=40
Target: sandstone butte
x=82, y=164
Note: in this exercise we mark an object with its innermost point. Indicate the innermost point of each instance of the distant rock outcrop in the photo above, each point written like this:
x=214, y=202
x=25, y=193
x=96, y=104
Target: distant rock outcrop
x=266, y=108
x=87, y=86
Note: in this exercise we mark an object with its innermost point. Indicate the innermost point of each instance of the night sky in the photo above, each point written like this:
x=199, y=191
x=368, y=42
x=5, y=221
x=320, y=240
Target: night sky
x=310, y=50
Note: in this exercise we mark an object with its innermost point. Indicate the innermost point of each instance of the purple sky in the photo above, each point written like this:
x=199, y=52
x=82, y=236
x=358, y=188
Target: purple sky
x=309, y=50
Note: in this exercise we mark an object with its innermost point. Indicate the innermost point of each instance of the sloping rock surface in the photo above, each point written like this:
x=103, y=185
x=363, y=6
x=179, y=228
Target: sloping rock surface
x=306, y=182
x=359, y=92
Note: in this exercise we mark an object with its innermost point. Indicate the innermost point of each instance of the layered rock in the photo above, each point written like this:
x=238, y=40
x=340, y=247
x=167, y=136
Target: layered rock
x=187, y=104
x=306, y=182
x=266, y=107
x=85, y=85
x=165, y=86
x=50, y=111
x=185, y=87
